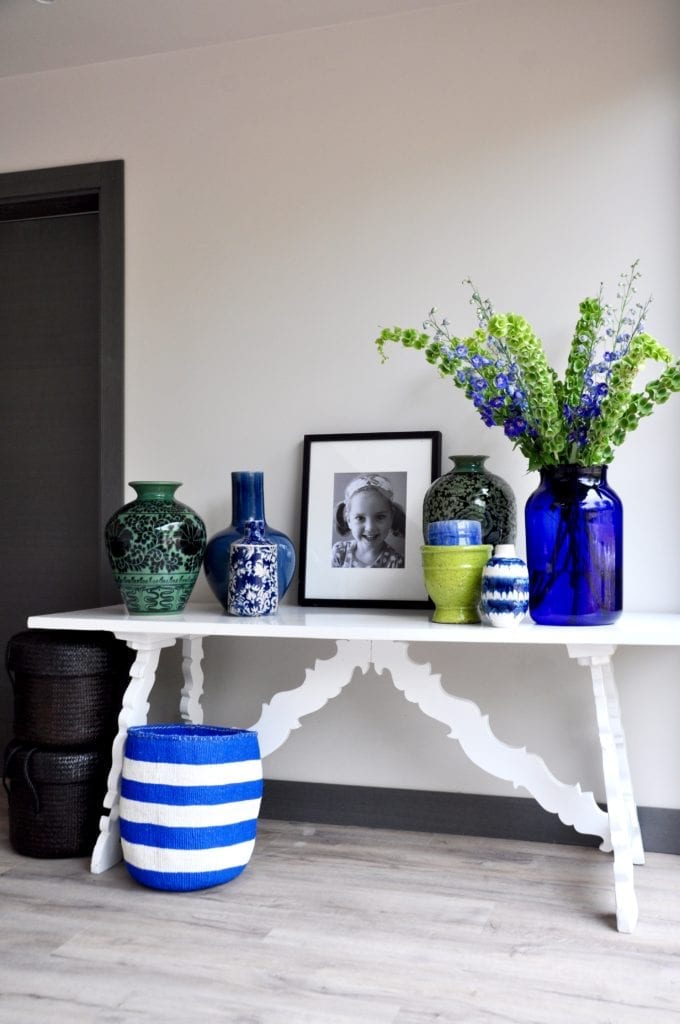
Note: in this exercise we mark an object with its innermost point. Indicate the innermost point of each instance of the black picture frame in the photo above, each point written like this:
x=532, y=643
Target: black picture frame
x=404, y=464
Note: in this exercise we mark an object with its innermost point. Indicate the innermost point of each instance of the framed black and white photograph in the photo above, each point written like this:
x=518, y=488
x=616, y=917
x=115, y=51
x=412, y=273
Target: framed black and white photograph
x=362, y=509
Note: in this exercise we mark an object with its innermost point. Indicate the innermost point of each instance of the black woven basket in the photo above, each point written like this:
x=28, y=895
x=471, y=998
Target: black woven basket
x=55, y=799
x=67, y=686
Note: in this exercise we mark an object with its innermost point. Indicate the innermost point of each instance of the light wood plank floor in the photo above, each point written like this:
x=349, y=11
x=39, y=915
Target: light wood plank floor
x=336, y=925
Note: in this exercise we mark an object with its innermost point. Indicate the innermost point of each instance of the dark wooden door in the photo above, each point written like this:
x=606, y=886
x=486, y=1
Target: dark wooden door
x=60, y=389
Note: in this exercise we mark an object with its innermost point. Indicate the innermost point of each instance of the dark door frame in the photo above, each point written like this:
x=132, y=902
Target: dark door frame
x=56, y=191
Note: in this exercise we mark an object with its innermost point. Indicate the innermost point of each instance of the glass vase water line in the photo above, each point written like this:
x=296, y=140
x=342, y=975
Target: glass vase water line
x=574, y=538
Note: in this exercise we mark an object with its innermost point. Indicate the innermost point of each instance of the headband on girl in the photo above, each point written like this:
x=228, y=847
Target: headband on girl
x=369, y=480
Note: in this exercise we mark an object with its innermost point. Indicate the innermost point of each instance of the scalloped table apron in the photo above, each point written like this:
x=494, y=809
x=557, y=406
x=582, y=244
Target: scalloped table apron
x=382, y=639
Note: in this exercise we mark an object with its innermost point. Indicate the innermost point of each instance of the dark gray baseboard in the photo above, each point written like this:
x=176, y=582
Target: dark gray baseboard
x=496, y=817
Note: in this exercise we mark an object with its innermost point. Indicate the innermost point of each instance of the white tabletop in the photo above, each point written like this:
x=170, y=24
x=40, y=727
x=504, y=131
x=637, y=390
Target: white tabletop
x=632, y=629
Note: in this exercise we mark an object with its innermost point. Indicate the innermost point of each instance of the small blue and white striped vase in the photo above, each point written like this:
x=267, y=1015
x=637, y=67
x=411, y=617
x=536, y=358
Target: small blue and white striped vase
x=504, y=597
x=190, y=798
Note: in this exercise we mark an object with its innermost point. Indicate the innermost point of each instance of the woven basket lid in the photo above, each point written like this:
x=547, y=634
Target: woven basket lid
x=42, y=652
x=28, y=762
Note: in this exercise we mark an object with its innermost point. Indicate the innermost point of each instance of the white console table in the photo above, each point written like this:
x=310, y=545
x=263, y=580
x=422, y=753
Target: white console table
x=381, y=638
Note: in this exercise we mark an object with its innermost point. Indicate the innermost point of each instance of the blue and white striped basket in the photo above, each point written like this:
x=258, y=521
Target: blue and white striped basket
x=190, y=797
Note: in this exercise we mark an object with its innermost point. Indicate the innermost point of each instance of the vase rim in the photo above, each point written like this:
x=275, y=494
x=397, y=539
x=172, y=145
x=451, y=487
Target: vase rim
x=576, y=467
x=470, y=458
x=154, y=483
x=154, y=488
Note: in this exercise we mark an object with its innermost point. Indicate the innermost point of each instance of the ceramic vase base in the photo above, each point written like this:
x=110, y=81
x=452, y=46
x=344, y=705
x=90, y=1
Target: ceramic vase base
x=505, y=620
x=458, y=615
x=146, y=596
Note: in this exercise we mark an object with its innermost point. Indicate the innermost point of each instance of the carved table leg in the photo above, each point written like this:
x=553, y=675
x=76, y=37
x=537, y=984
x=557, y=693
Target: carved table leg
x=189, y=705
x=625, y=828
x=467, y=724
x=321, y=683
x=616, y=724
x=134, y=710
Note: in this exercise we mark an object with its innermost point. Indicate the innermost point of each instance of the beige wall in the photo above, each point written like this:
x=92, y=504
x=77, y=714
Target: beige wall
x=286, y=196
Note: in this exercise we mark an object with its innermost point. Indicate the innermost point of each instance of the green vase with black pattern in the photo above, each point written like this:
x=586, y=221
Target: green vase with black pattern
x=155, y=546
x=470, y=491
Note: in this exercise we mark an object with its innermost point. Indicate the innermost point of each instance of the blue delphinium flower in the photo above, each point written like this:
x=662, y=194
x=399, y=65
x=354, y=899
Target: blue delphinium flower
x=503, y=370
x=515, y=427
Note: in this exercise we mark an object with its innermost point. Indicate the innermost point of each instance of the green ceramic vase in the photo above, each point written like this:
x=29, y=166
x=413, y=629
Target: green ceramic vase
x=155, y=546
x=453, y=580
x=470, y=491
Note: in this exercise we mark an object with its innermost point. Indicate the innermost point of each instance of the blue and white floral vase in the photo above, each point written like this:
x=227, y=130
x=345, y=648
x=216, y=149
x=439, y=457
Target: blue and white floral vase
x=253, y=583
x=504, y=598
x=247, y=500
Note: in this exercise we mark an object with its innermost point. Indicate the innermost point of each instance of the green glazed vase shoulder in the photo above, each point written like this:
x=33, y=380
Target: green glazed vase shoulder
x=470, y=491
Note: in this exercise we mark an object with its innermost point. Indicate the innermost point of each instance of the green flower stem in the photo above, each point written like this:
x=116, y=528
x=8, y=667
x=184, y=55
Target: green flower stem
x=502, y=368
x=581, y=352
x=622, y=409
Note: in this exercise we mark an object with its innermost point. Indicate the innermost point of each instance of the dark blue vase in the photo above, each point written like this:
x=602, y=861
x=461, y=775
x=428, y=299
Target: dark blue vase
x=574, y=535
x=247, y=503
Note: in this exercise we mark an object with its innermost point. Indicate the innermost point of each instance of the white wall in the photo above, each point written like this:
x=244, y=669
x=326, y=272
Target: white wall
x=287, y=195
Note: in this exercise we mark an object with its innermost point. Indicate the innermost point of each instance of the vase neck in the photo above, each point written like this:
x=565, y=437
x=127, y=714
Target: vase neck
x=504, y=551
x=154, y=490
x=572, y=471
x=468, y=463
x=247, y=497
x=254, y=531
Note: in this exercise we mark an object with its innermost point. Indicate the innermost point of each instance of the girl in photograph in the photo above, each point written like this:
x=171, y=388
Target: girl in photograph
x=369, y=514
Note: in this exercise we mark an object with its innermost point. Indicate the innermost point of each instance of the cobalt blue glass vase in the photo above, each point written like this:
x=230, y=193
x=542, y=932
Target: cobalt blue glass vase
x=247, y=503
x=574, y=536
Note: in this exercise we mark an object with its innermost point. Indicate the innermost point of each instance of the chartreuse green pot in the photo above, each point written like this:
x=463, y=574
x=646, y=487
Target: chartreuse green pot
x=453, y=579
